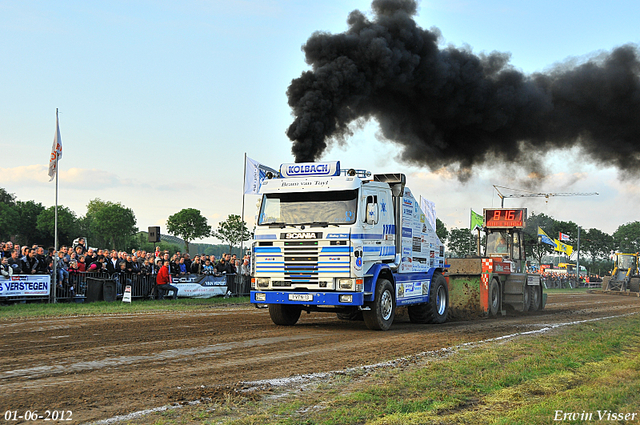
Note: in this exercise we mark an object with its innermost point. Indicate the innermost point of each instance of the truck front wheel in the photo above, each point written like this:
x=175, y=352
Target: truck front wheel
x=284, y=314
x=383, y=309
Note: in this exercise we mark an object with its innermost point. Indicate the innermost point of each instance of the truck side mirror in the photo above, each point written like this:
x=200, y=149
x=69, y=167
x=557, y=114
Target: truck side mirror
x=372, y=213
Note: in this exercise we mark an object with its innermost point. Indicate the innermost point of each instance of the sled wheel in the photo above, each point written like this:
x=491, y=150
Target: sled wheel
x=535, y=297
x=383, y=309
x=494, y=298
x=284, y=314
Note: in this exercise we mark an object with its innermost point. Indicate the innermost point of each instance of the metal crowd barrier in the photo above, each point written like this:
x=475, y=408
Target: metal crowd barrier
x=141, y=285
x=82, y=286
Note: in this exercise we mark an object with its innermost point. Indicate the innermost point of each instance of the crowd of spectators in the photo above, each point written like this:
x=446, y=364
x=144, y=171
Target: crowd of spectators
x=123, y=265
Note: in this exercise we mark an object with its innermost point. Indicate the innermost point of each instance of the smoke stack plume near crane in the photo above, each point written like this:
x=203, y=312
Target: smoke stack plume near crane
x=448, y=107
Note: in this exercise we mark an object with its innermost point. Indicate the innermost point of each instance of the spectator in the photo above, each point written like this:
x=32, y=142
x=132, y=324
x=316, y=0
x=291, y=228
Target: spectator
x=62, y=268
x=146, y=269
x=113, y=262
x=81, y=265
x=42, y=267
x=29, y=261
x=14, y=262
x=8, y=248
x=97, y=266
x=90, y=257
x=221, y=267
x=196, y=265
x=187, y=262
x=208, y=267
x=122, y=278
x=183, y=267
x=162, y=282
x=6, y=270
x=79, y=243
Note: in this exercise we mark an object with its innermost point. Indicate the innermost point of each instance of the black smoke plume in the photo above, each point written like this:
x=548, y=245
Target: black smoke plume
x=448, y=107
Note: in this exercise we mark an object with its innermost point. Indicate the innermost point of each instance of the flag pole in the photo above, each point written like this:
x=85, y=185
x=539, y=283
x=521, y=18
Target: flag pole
x=244, y=178
x=55, y=225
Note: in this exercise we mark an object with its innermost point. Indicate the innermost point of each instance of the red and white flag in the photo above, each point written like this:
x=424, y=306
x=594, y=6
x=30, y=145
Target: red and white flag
x=563, y=237
x=56, y=151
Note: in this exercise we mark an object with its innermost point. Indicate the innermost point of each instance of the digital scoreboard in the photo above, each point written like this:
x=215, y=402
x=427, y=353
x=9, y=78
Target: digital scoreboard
x=505, y=218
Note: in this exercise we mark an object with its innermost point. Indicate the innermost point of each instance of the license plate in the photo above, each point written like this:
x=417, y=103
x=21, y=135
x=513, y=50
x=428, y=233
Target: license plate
x=300, y=297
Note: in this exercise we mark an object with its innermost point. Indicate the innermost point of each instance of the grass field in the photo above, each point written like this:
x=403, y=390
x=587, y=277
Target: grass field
x=581, y=373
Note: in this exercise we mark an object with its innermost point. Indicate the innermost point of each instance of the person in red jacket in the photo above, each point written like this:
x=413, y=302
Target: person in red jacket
x=162, y=281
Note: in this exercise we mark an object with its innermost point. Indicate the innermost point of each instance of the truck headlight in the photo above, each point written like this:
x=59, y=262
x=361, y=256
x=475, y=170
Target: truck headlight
x=262, y=282
x=345, y=284
x=260, y=296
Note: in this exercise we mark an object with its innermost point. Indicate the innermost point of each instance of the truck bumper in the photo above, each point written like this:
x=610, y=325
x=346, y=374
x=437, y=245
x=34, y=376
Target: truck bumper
x=309, y=298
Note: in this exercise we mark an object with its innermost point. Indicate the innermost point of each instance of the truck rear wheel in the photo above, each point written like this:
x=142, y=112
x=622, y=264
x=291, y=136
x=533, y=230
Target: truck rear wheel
x=634, y=285
x=438, y=299
x=284, y=314
x=494, y=298
x=383, y=309
x=536, y=298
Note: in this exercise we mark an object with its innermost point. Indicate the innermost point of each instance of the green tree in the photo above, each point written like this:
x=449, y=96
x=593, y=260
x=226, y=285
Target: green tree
x=441, y=231
x=596, y=244
x=189, y=225
x=27, y=222
x=627, y=237
x=67, y=225
x=8, y=215
x=8, y=219
x=461, y=242
x=233, y=231
x=6, y=197
x=110, y=223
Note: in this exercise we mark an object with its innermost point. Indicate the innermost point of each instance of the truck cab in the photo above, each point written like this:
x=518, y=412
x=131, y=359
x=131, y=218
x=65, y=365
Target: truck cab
x=329, y=239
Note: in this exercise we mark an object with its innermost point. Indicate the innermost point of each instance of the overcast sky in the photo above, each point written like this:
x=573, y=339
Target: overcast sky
x=159, y=101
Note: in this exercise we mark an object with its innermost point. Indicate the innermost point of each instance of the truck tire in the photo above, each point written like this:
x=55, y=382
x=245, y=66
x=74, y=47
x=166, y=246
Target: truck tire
x=494, y=298
x=634, y=285
x=284, y=314
x=535, y=296
x=352, y=315
x=383, y=309
x=438, y=306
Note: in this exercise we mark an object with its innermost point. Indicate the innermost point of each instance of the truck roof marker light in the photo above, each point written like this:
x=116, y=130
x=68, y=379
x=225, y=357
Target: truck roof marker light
x=351, y=172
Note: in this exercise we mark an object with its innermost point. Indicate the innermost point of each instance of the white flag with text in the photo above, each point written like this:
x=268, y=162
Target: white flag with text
x=255, y=173
x=56, y=151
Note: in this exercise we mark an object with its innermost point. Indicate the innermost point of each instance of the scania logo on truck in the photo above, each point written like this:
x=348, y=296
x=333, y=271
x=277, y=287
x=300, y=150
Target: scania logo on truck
x=301, y=235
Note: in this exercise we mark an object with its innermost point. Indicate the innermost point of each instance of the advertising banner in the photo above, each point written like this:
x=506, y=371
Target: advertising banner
x=25, y=285
x=200, y=286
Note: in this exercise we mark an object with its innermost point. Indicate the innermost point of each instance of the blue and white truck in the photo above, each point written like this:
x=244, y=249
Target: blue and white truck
x=345, y=242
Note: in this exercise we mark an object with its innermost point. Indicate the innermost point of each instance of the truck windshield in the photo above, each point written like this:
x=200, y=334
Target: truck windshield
x=337, y=207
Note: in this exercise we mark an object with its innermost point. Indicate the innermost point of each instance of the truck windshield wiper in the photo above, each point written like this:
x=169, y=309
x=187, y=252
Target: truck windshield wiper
x=277, y=224
x=315, y=224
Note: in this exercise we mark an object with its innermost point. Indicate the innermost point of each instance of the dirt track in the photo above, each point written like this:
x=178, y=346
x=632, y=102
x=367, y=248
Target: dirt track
x=102, y=366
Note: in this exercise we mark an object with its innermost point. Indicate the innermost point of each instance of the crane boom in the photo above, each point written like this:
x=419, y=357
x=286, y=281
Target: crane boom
x=531, y=194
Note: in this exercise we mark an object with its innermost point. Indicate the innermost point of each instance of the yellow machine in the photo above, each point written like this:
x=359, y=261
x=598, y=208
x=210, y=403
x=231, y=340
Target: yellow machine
x=625, y=274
